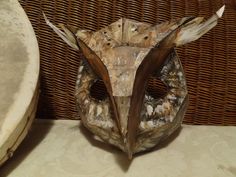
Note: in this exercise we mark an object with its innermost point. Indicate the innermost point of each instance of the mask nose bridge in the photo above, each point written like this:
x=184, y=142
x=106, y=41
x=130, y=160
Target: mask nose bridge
x=122, y=64
x=122, y=80
x=123, y=108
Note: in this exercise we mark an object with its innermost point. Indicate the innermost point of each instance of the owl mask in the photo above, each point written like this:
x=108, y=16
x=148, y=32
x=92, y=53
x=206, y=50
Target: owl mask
x=123, y=56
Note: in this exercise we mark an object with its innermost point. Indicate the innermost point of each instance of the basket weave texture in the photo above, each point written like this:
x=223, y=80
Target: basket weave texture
x=209, y=63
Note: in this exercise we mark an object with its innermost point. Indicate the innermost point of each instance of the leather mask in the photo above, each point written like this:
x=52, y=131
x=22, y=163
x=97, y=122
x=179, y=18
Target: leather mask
x=122, y=56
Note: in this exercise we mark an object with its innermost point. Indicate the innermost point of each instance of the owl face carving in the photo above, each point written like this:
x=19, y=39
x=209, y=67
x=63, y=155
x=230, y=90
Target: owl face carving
x=123, y=56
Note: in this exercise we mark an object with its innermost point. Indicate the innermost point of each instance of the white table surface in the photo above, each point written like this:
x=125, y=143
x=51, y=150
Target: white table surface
x=64, y=149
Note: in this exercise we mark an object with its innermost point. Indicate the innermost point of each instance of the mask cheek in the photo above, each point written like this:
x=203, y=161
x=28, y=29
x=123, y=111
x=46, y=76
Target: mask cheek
x=162, y=114
x=94, y=107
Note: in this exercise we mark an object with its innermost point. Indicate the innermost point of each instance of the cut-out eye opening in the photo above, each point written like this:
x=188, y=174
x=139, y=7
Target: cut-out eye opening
x=98, y=90
x=146, y=37
x=156, y=88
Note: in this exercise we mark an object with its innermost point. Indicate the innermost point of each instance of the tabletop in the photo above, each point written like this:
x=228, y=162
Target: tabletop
x=63, y=148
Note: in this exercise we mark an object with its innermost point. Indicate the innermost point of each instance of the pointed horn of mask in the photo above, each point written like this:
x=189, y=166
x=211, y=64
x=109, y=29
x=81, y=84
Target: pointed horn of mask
x=194, y=29
x=66, y=36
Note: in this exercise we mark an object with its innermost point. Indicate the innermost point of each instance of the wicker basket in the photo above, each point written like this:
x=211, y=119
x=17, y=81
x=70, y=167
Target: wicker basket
x=209, y=63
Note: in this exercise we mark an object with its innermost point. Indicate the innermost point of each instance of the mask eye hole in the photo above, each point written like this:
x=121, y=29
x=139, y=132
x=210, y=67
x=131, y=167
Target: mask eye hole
x=156, y=88
x=98, y=90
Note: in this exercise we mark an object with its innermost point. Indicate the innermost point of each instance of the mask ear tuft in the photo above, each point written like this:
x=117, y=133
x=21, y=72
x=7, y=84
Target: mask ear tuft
x=193, y=30
x=67, y=35
x=221, y=11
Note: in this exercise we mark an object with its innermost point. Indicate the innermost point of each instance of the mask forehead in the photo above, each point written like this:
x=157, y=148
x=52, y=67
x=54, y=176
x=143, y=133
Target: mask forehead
x=122, y=46
x=122, y=63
